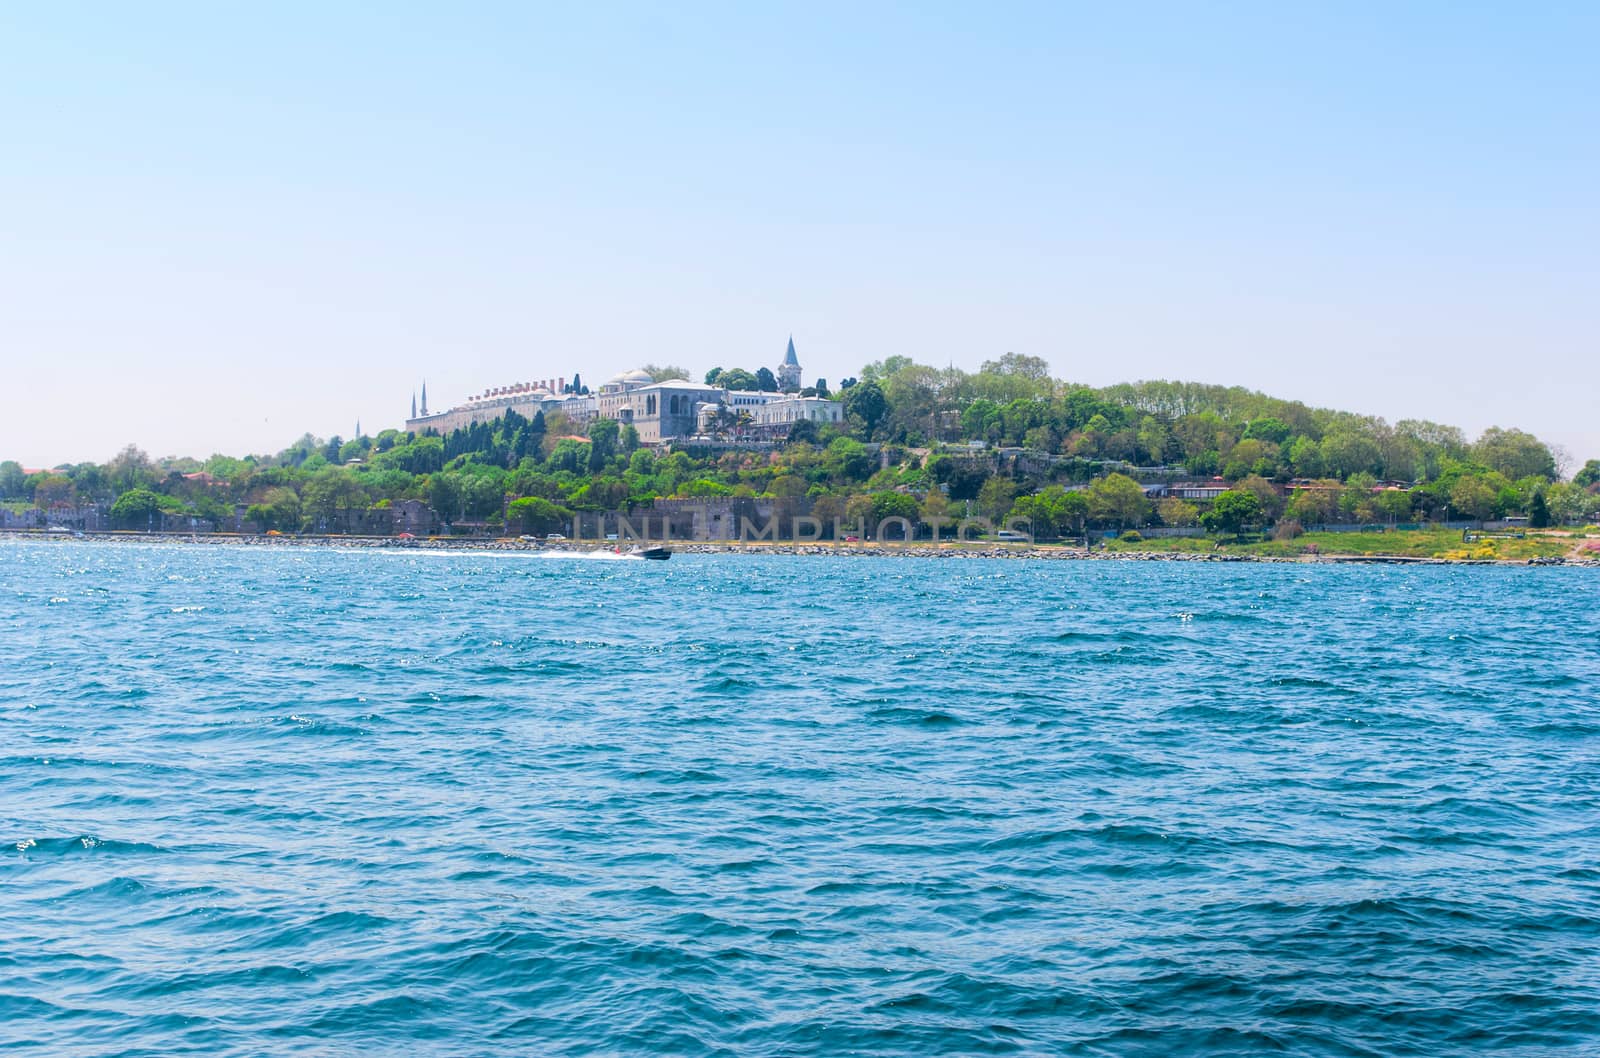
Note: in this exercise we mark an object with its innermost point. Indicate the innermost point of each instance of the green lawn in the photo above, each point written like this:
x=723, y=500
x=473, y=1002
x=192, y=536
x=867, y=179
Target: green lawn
x=1419, y=543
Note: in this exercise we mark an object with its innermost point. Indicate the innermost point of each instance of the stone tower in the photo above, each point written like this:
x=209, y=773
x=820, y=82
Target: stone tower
x=789, y=370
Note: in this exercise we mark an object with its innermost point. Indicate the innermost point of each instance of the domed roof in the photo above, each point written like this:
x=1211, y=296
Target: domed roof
x=636, y=375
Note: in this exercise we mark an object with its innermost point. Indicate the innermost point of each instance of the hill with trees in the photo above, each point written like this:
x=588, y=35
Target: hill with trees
x=1008, y=440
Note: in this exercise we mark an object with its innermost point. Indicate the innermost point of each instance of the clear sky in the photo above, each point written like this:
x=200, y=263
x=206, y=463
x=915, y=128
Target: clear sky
x=224, y=225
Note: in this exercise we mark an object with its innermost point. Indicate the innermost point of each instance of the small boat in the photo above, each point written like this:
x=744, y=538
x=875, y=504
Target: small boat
x=658, y=553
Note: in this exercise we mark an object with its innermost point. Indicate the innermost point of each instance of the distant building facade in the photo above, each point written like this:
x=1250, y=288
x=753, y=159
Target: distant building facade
x=525, y=398
x=666, y=411
x=661, y=412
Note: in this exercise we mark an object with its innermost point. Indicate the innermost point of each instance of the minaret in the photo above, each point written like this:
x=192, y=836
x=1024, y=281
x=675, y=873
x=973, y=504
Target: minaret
x=413, y=404
x=789, y=370
x=358, y=430
x=424, y=396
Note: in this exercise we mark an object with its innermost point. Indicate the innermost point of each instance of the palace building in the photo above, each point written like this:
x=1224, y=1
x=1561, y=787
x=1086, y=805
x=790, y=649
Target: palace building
x=669, y=410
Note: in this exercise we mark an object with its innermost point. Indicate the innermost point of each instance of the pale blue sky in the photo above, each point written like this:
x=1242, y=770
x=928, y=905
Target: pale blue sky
x=222, y=226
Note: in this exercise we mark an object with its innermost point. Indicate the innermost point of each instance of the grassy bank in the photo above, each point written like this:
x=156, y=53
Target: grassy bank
x=1412, y=543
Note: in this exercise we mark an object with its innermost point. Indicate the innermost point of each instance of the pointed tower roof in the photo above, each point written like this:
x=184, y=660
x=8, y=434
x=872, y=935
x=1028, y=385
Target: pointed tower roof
x=789, y=359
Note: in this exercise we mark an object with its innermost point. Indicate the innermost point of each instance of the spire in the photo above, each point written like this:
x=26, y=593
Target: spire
x=424, y=396
x=789, y=370
x=358, y=430
x=413, y=404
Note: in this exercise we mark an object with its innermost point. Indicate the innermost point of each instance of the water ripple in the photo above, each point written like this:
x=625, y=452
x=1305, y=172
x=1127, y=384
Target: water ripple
x=282, y=801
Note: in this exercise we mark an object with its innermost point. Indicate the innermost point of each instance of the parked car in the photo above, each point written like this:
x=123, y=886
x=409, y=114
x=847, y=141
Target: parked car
x=554, y=536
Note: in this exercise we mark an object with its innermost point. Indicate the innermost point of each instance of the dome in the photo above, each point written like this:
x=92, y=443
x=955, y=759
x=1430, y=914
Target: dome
x=636, y=375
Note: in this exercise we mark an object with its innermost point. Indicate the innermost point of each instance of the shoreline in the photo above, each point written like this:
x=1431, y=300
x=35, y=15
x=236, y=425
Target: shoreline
x=951, y=550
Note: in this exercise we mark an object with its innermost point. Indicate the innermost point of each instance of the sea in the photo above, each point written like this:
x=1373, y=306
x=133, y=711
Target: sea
x=313, y=801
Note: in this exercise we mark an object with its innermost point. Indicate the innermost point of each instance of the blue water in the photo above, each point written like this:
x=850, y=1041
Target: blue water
x=286, y=801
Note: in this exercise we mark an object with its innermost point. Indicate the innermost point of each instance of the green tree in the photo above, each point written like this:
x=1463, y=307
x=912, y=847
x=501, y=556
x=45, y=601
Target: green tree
x=136, y=509
x=1472, y=496
x=789, y=486
x=330, y=492
x=1178, y=513
x=866, y=404
x=1393, y=504
x=1589, y=475
x=1232, y=512
x=1538, y=512
x=664, y=372
x=628, y=439
x=891, y=504
x=1515, y=454
x=766, y=381
x=278, y=508
x=846, y=460
x=536, y=515
x=481, y=496
x=1153, y=439
x=1567, y=502
x=935, y=507
x=1305, y=458
x=11, y=480
x=603, y=436
x=444, y=496
x=1347, y=452
x=1053, y=511
x=1271, y=502
x=802, y=431
x=1072, y=512
x=1019, y=365
x=1118, y=498
x=1317, y=504
x=131, y=469
x=1357, y=500
x=642, y=462
x=995, y=497
x=422, y=455
x=1268, y=428
x=51, y=489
